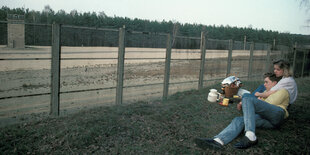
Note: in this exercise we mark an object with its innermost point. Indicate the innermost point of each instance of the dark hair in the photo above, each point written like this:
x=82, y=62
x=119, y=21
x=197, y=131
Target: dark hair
x=285, y=65
x=272, y=77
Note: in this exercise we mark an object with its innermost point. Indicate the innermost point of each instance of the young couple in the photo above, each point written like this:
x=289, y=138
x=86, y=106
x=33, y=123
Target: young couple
x=266, y=107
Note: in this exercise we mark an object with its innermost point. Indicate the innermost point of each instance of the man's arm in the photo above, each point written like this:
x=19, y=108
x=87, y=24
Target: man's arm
x=239, y=106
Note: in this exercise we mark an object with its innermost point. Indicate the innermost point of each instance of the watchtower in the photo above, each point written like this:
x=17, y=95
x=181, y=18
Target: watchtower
x=16, y=31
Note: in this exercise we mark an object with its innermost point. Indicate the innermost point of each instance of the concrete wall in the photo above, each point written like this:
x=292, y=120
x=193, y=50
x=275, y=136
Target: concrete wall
x=16, y=35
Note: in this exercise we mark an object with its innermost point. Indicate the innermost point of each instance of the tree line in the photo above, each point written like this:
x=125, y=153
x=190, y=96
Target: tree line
x=41, y=34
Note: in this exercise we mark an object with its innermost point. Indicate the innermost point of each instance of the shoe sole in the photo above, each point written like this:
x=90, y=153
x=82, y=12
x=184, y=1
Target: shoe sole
x=250, y=145
x=204, y=145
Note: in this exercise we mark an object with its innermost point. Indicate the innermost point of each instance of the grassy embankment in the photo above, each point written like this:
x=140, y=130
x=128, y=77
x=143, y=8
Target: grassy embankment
x=156, y=127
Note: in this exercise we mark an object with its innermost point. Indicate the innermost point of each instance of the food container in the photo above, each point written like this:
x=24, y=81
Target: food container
x=213, y=95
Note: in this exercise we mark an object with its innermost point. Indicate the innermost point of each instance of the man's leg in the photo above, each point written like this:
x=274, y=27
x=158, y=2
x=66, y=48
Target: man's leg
x=232, y=130
x=262, y=123
x=236, y=127
x=252, y=106
x=227, y=135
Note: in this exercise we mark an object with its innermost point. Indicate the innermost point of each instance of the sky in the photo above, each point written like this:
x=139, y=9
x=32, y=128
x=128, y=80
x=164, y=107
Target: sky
x=276, y=15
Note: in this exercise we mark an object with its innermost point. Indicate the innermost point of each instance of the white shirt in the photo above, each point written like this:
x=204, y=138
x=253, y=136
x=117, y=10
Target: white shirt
x=290, y=85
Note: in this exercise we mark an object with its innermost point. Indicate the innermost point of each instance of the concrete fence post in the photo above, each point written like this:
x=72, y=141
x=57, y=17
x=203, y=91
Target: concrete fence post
x=120, y=66
x=230, y=44
x=167, y=67
x=55, y=69
x=202, y=60
x=251, y=60
x=282, y=54
x=294, y=58
x=268, y=59
x=303, y=64
x=244, y=42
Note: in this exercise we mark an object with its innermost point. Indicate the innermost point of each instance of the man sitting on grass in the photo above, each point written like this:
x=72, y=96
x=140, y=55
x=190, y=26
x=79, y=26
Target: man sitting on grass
x=257, y=112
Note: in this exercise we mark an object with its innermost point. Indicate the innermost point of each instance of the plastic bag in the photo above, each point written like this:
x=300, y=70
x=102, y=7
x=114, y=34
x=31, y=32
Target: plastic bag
x=231, y=80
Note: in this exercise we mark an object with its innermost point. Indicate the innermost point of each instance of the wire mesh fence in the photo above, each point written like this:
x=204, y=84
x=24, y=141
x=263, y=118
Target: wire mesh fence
x=88, y=67
x=99, y=66
x=144, y=66
x=3, y=33
x=25, y=74
x=216, y=59
x=184, y=65
x=38, y=34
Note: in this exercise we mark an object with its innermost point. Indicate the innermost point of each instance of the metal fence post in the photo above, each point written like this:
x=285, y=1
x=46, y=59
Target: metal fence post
x=294, y=60
x=120, y=66
x=229, y=57
x=167, y=68
x=203, y=59
x=268, y=59
x=251, y=60
x=55, y=69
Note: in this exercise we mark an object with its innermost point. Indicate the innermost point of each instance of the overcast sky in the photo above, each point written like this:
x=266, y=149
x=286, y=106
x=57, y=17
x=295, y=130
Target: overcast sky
x=276, y=15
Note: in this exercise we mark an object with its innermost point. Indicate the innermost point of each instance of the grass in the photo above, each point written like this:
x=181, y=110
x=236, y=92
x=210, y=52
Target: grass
x=156, y=127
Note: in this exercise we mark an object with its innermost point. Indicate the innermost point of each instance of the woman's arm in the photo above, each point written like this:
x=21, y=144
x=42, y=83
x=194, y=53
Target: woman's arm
x=265, y=94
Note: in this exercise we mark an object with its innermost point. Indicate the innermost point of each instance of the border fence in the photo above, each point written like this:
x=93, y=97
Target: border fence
x=142, y=66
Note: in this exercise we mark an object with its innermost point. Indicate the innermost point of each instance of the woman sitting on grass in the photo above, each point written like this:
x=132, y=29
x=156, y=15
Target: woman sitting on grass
x=267, y=112
x=281, y=68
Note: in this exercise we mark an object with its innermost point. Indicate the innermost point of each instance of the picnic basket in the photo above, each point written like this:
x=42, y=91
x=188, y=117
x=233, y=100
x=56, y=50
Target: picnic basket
x=230, y=91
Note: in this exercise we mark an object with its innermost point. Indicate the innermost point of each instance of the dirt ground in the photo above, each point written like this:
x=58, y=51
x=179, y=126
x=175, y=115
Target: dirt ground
x=25, y=77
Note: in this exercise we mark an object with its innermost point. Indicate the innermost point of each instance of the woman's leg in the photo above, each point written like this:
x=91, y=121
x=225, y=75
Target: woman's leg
x=259, y=89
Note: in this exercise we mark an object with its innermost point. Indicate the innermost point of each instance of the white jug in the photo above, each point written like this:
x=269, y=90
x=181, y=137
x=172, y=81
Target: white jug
x=213, y=96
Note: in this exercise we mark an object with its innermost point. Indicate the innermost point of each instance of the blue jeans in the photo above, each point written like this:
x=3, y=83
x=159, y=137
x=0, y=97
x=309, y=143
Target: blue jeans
x=256, y=113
